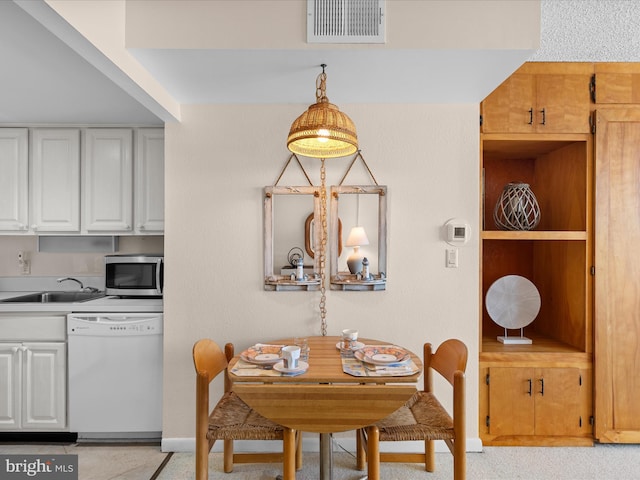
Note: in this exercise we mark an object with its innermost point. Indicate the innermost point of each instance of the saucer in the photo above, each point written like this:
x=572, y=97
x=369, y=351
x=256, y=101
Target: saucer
x=354, y=347
x=301, y=368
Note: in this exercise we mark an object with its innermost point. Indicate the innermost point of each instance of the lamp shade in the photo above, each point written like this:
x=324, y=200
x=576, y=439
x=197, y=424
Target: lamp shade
x=357, y=237
x=323, y=131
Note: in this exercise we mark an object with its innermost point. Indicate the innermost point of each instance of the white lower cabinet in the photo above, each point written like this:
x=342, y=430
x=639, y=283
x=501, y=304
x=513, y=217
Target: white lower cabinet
x=33, y=385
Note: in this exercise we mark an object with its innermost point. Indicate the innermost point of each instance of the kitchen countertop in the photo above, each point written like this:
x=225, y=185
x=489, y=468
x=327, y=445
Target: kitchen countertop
x=104, y=304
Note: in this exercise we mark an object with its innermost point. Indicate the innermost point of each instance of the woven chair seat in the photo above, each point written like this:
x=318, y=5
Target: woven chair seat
x=232, y=419
x=422, y=417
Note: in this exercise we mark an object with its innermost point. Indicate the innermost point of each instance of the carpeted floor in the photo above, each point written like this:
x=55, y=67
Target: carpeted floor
x=602, y=462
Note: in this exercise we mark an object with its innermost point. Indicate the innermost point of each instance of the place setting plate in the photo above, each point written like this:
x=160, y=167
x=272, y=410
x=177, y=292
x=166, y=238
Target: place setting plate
x=382, y=354
x=262, y=354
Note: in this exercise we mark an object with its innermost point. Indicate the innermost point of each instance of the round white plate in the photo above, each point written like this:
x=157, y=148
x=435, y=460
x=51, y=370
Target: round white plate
x=266, y=357
x=261, y=354
x=355, y=346
x=302, y=367
x=360, y=355
x=513, y=302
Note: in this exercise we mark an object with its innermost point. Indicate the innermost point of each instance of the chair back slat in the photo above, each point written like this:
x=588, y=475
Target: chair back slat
x=208, y=359
x=450, y=357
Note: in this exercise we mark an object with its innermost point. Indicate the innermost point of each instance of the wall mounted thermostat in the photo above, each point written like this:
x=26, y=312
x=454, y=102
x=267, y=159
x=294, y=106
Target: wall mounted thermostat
x=457, y=232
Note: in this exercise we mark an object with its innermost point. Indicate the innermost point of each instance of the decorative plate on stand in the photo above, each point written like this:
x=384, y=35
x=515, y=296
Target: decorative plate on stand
x=513, y=302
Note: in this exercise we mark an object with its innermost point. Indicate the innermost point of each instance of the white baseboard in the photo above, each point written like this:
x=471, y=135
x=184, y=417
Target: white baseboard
x=310, y=443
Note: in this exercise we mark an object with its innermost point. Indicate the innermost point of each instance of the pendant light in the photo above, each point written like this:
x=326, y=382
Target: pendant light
x=323, y=131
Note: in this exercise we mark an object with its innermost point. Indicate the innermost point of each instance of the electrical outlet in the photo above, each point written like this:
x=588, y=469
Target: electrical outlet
x=24, y=263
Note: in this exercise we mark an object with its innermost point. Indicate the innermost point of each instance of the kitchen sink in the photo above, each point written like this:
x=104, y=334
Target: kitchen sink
x=55, y=297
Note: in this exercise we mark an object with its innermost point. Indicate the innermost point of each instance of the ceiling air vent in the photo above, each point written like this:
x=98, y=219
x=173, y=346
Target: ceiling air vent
x=345, y=21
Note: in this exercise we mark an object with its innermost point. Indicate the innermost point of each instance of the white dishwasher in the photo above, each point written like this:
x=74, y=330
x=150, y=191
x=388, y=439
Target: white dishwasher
x=115, y=376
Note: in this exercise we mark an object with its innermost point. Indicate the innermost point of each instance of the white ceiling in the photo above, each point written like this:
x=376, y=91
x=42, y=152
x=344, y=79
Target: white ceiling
x=44, y=80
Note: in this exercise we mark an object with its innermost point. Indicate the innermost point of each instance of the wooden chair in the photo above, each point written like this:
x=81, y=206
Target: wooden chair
x=423, y=417
x=232, y=419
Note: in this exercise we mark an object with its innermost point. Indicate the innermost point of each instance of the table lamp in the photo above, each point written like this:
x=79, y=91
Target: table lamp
x=357, y=238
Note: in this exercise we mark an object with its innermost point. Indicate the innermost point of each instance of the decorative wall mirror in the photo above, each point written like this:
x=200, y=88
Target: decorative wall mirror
x=286, y=210
x=309, y=235
x=363, y=206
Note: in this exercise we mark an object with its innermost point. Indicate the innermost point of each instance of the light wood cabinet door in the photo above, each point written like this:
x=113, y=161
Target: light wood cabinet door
x=537, y=99
x=14, y=180
x=617, y=285
x=509, y=109
x=617, y=83
x=55, y=180
x=563, y=104
x=108, y=181
x=511, y=401
x=558, y=401
x=526, y=401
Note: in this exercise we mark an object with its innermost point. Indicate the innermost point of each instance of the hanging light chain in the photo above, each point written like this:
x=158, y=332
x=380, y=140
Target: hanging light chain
x=321, y=87
x=323, y=249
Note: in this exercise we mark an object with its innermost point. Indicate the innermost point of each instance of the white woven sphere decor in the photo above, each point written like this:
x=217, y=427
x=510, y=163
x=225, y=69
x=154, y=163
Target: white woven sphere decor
x=517, y=208
x=513, y=301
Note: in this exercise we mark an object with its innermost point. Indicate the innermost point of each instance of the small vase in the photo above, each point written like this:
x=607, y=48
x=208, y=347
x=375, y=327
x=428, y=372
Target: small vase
x=517, y=208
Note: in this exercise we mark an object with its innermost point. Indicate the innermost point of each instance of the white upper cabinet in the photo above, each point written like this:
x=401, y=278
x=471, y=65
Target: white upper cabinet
x=86, y=181
x=55, y=180
x=149, y=181
x=108, y=180
x=14, y=180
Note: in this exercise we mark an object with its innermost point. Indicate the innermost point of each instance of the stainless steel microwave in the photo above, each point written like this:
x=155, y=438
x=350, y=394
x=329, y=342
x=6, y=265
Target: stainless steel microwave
x=134, y=275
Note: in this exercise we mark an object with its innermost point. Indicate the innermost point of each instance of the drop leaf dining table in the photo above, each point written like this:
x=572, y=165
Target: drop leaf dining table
x=324, y=399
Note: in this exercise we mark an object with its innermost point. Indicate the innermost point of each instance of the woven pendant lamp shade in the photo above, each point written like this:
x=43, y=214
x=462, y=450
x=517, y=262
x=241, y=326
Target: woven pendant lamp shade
x=323, y=131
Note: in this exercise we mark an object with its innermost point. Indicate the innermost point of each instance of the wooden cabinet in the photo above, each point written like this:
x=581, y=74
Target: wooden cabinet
x=541, y=98
x=33, y=382
x=617, y=83
x=617, y=299
x=108, y=180
x=55, y=180
x=149, y=181
x=43, y=188
x=529, y=402
x=557, y=258
x=14, y=181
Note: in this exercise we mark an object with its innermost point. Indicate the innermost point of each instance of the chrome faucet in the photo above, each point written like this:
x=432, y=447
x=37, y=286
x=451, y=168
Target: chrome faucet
x=82, y=287
x=60, y=280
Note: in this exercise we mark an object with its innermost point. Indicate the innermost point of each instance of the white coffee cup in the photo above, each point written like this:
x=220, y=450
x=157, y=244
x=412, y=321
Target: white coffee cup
x=349, y=338
x=290, y=356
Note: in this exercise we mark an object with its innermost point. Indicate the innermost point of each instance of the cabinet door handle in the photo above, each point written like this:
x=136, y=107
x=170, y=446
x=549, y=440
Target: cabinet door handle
x=544, y=117
x=531, y=116
x=530, y=385
x=542, y=387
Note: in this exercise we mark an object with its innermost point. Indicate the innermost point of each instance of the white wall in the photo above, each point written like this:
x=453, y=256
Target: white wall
x=218, y=160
